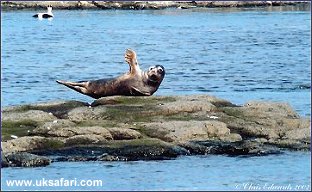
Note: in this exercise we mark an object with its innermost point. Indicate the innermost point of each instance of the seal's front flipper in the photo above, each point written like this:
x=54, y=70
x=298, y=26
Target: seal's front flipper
x=136, y=92
x=79, y=87
x=131, y=59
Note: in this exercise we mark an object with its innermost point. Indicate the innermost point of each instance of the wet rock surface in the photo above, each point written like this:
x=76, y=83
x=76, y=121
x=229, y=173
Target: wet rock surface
x=23, y=159
x=148, y=128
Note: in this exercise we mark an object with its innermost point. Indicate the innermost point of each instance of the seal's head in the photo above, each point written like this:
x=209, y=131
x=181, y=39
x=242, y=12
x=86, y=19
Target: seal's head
x=156, y=74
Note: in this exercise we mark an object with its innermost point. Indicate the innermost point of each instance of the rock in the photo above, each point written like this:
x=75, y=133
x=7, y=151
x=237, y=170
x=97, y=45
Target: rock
x=57, y=108
x=48, y=128
x=195, y=149
x=28, y=143
x=28, y=115
x=23, y=159
x=251, y=130
x=18, y=128
x=216, y=129
x=96, y=130
x=291, y=144
x=191, y=104
x=4, y=161
x=64, y=132
x=57, y=130
x=232, y=137
x=132, y=100
x=130, y=150
x=239, y=148
x=262, y=119
x=162, y=105
x=298, y=134
x=86, y=4
x=185, y=106
x=87, y=113
x=146, y=149
x=84, y=139
x=124, y=133
x=261, y=140
x=178, y=131
x=157, y=127
x=261, y=109
x=9, y=5
x=106, y=157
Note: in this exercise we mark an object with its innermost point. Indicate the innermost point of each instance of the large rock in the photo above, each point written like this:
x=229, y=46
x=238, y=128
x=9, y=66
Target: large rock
x=23, y=159
x=147, y=149
x=70, y=131
x=298, y=134
x=57, y=108
x=189, y=105
x=53, y=128
x=246, y=147
x=128, y=150
x=124, y=133
x=28, y=115
x=165, y=105
x=263, y=119
x=262, y=109
x=87, y=113
x=28, y=143
x=156, y=127
x=84, y=139
x=180, y=131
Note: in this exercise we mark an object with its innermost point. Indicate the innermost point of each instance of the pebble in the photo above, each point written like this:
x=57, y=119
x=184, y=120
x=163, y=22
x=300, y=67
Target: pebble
x=14, y=136
x=213, y=117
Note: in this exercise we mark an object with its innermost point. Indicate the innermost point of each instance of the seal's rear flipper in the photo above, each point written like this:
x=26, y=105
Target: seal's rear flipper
x=80, y=87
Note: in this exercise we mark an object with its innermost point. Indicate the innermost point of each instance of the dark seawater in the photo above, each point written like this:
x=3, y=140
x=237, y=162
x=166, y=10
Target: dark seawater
x=236, y=54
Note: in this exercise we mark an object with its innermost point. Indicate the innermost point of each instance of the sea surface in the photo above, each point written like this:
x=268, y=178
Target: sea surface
x=236, y=54
x=212, y=172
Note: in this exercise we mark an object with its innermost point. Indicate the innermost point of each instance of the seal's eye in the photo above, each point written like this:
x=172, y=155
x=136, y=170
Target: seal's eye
x=160, y=70
x=150, y=68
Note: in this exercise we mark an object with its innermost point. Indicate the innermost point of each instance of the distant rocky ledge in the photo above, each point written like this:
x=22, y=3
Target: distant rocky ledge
x=147, y=128
x=139, y=5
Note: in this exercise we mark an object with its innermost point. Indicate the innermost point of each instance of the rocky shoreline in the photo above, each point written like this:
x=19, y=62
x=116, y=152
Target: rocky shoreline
x=139, y=5
x=147, y=128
